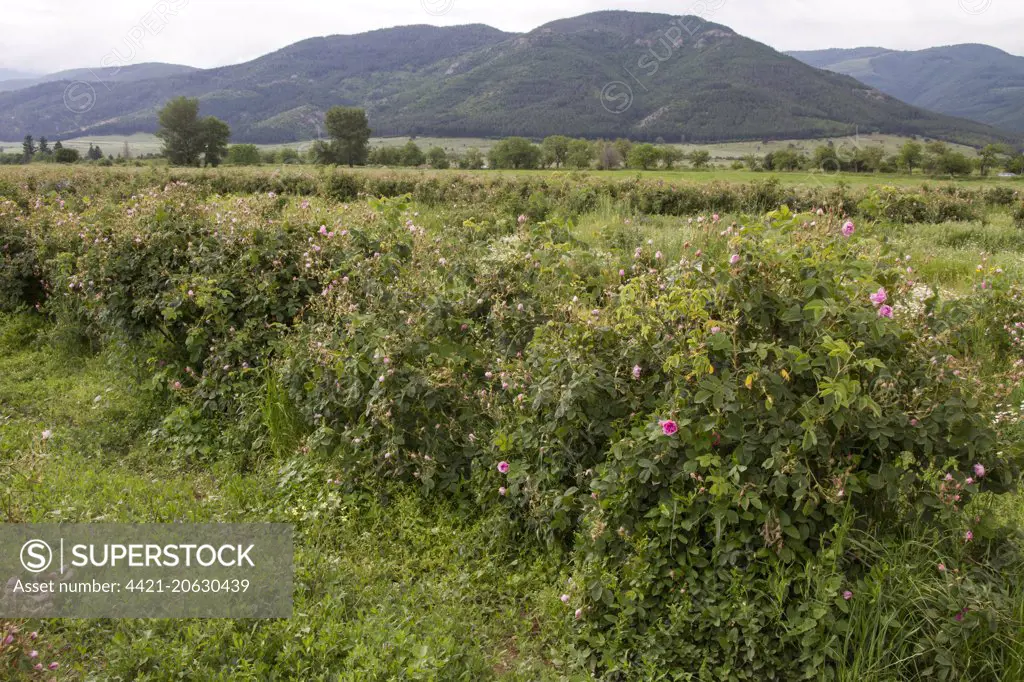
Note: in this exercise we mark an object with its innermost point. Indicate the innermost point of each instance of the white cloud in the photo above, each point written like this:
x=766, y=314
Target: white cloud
x=48, y=35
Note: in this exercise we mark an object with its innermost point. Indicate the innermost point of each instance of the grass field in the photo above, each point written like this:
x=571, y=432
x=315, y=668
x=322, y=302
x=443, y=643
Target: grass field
x=427, y=332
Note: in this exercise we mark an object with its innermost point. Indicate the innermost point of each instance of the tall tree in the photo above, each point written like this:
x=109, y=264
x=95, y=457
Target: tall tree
x=28, y=147
x=214, y=135
x=988, y=158
x=515, y=152
x=644, y=156
x=181, y=131
x=44, y=145
x=473, y=159
x=556, y=150
x=580, y=154
x=350, y=135
x=910, y=155
x=670, y=155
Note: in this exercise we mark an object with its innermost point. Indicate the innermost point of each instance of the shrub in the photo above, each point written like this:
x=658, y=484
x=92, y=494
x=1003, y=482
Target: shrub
x=794, y=409
x=713, y=442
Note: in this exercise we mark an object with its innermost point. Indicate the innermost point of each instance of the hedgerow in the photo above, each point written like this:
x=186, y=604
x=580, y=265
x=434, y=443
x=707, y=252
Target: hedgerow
x=570, y=194
x=720, y=445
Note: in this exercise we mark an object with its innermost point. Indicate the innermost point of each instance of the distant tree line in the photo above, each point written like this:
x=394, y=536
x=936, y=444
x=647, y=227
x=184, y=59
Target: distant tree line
x=40, y=151
x=192, y=141
x=932, y=158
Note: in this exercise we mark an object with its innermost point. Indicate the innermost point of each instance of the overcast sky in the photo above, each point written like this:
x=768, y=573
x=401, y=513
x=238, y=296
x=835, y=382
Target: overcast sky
x=49, y=35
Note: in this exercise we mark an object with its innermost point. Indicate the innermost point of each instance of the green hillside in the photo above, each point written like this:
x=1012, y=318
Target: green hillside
x=971, y=81
x=606, y=74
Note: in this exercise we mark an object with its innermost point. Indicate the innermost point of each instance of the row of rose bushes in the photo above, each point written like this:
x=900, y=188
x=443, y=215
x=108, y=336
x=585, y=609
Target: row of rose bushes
x=700, y=436
x=535, y=195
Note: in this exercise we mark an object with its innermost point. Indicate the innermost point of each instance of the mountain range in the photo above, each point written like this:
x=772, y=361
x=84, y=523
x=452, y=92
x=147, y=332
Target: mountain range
x=606, y=74
x=111, y=74
x=978, y=82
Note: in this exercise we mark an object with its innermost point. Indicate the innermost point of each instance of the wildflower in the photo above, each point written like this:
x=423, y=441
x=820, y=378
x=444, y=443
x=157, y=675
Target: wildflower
x=503, y=467
x=969, y=481
x=522, y=219
x=33, y=654
x=33, y=635
x=821, y=211
x=734, y=259
x=669, y=427
x=564, y=598
x=502, y=491
x=715, y=217
x=879, y=297
x=47, y=434
x=579, y=613
x=323, y=230
x=914, y=422
x=177, y=385
x=959, y=617
x=637, y=371
x=8, y=639
x=191, y=293
x=658, y=255
x=979, y=470
x=848, y=228
x=942, y=567
x=885, y=311
x=488, y=375
x=54, y=665
x=968, y=536
x=37, y=666
x=847, y=595
x=622, y=273
x=715, y=330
